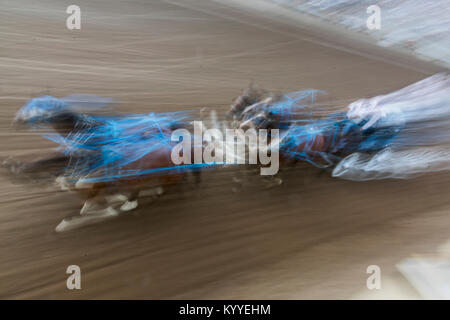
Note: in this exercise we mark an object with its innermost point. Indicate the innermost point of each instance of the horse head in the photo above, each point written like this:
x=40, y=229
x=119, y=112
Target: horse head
x=46, y=111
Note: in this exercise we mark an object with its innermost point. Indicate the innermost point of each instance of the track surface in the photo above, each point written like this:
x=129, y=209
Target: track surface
x=313, y=237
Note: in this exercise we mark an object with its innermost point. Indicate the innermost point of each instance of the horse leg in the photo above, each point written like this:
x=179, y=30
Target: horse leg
x=95, y=209
x=154, y=192
x=91, y=203
x=97, y=203
x=132, y=201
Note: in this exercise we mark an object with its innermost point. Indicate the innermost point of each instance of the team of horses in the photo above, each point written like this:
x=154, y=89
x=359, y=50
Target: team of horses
x=254, y=108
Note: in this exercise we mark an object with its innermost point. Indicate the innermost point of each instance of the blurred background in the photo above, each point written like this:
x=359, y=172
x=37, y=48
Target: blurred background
x=313, y=237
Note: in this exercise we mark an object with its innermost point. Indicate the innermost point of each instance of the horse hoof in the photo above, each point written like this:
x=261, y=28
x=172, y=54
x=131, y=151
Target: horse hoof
x=64, y=225
x=129, y=205
x=116, y=198
x=80, y=221
x=88, y=207
x=92, y=209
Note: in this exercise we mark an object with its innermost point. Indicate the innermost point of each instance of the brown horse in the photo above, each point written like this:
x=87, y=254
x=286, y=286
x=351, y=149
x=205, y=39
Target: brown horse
x=103, y=199
x=153, y=173
x=252, y=110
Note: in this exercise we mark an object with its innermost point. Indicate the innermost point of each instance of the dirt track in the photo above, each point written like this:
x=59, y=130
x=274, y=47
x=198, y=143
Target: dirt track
x=311, y=238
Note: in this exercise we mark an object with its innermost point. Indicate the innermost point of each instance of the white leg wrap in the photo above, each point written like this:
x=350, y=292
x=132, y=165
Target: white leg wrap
x=129, y=205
